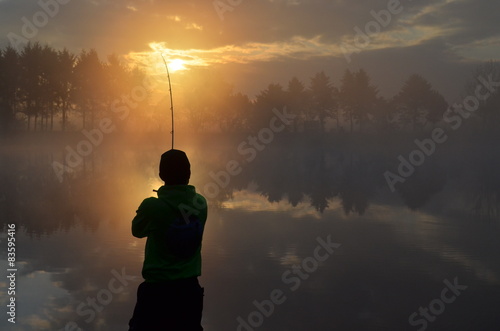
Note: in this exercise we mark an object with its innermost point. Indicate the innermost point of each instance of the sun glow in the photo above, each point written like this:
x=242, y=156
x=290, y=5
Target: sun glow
x=176, y=65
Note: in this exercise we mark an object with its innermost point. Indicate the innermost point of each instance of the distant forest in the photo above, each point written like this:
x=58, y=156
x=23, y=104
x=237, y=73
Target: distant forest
x=44, y=89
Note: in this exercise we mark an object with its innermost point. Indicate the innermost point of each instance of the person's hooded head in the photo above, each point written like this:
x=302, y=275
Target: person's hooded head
x=175, y=168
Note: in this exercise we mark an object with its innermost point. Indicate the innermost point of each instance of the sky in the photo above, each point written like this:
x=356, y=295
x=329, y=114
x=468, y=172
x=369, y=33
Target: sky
x=253, y=43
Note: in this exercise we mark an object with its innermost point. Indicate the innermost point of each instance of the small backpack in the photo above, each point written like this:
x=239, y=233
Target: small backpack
x=183, y=236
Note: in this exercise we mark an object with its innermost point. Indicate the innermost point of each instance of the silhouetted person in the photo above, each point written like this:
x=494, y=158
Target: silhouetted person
x=171, y=298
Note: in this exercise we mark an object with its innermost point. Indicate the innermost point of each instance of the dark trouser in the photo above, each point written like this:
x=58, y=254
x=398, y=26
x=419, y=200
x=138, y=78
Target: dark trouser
x=172, y=306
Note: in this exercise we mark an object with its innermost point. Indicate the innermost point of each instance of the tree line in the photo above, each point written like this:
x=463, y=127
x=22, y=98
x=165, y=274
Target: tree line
x=357, y=106
x=40, y=85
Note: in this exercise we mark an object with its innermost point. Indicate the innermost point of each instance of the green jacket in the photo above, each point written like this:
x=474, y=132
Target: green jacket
x=153, y=218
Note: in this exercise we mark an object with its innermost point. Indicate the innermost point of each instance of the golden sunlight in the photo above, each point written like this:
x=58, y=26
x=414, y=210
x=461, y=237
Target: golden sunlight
x=176, y=59
x=175, y=65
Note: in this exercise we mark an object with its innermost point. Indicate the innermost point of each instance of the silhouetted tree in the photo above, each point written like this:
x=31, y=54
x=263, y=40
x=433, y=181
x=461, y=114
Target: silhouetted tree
x=272, y=97
x=125, y=88
x=348, y=97
x=89, y=80
x=367, y=98
x=9, y=87
x=38, y=66
x=64, y=83
x=207, y=100
x=117, y=77
x=52, y=69
x=323, y=99
x=417, y=103
x=297, y=100
x=384, y=116
x=358, y=98
x=233, y=117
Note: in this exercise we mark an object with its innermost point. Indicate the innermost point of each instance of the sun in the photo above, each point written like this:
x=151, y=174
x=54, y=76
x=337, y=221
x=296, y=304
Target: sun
x=176, y=65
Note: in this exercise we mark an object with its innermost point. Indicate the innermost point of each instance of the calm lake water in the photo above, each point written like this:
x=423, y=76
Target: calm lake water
x=305, y=234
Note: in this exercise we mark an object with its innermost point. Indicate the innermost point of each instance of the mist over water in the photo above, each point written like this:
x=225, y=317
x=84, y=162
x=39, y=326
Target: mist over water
x=267, y=212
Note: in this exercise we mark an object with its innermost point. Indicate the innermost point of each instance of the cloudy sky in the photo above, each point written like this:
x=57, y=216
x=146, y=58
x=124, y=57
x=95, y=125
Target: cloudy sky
x=256, y=42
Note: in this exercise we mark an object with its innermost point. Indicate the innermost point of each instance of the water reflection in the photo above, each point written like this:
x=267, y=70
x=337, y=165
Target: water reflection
x=288, y=170
x=397, y=248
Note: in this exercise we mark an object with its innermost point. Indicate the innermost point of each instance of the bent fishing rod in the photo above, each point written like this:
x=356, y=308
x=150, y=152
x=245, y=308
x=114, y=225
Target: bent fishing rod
x=171, y=99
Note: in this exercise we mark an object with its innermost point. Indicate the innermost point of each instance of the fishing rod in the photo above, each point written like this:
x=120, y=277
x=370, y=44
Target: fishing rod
x=171, y=100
